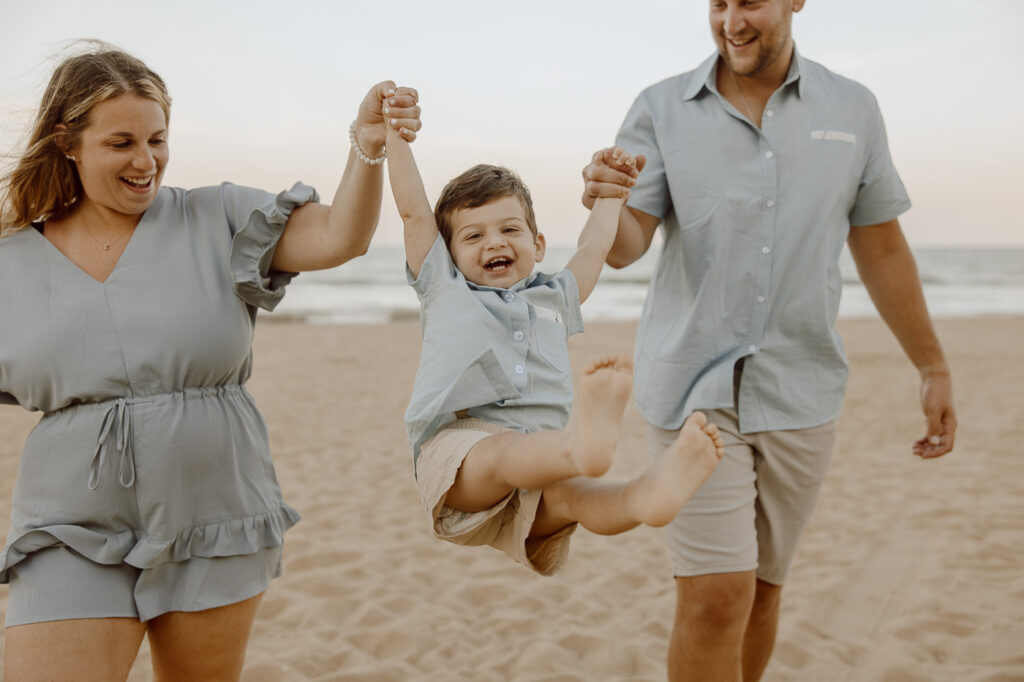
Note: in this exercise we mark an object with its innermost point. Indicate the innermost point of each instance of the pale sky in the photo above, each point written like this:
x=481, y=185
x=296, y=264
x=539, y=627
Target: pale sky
x=264, y=91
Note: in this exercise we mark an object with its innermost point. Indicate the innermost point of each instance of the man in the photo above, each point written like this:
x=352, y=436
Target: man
x=760, y=164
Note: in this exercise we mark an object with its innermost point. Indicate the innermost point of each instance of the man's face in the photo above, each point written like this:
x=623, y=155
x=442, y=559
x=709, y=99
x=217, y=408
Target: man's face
x=753, y=36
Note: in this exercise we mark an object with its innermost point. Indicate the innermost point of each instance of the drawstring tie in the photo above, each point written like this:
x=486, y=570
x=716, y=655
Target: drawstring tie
x=116, y=422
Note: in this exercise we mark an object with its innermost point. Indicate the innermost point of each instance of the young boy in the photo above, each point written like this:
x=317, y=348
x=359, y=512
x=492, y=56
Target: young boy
x=494, y=461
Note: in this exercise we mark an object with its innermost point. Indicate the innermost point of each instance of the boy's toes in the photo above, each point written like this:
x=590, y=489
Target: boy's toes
x=698, y=419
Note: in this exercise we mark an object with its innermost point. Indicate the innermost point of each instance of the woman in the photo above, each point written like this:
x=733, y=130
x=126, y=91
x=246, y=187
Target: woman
x=146, y=501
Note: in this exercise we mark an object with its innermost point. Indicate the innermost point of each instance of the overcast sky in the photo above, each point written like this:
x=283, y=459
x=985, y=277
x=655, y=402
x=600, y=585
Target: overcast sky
x=264, y=91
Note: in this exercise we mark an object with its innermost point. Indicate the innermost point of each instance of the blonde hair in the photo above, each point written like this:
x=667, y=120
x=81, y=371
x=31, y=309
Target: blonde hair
x=44, y=183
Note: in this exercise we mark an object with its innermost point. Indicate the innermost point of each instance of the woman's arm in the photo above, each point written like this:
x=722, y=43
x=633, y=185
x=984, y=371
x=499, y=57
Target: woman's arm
x=317, y=236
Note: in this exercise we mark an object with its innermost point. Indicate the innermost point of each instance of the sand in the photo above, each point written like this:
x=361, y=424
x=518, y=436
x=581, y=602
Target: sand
x=909, y=571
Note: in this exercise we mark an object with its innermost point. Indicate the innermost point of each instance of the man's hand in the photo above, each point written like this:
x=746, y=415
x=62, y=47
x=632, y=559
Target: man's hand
x=937, y=404
x=610, y=173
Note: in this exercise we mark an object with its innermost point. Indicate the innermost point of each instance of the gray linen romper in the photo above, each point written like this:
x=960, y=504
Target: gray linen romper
x=150, y=452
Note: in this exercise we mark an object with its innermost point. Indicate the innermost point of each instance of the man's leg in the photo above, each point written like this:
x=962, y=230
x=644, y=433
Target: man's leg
x=791, y=466
x=759, y=639
x=754, y=506
x=725, y=627
x=712, y=618
x=713, y=543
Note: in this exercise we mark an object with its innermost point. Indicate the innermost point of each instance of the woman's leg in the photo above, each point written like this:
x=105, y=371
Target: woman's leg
x=70, y=618
x=202, y=645
x=85, y=650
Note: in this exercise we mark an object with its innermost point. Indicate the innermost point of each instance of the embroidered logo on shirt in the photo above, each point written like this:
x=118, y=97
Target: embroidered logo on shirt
x=834, y=135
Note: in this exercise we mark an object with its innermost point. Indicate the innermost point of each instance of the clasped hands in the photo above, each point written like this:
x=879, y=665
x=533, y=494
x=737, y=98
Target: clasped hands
x=387, y=103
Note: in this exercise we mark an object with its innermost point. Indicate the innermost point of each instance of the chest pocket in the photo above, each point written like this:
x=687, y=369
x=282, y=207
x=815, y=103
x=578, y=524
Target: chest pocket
x=550, y=341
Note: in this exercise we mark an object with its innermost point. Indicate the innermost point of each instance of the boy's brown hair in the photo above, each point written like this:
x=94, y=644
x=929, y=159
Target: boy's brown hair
x=477, y=186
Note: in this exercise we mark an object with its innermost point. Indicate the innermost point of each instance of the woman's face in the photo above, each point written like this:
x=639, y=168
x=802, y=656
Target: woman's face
x=122, y=154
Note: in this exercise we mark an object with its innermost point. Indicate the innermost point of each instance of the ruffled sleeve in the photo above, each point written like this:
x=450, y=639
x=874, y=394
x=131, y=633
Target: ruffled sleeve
x=252, y=248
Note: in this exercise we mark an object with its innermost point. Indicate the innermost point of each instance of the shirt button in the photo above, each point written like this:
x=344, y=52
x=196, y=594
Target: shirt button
x=770, y=203
x=768, y=154
x=769, y=113
x=765, y=250
x=520, y=369
x=760, y=299
x=509, y=296
x=519, y=336
x=752, y=349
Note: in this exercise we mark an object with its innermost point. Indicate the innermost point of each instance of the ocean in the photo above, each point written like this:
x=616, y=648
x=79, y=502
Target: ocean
x=958, y=282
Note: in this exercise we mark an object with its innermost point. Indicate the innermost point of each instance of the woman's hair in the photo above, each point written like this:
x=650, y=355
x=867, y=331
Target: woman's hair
x=477, y=186
x=44, y=183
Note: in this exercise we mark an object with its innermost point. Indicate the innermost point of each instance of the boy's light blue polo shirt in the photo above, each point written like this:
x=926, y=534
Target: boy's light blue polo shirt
x=753, y=223
x=500, y=353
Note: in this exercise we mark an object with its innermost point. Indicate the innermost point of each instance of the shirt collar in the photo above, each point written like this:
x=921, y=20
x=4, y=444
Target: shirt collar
x=704, y=76
x=521, y=285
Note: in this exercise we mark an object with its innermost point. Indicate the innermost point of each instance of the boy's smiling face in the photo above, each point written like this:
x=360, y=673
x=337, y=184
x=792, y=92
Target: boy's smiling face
x=492, y=245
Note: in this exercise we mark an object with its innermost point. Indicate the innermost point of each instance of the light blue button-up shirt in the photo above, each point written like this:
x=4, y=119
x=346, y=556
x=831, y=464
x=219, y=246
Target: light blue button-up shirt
x=753, y=223
x=500, y=353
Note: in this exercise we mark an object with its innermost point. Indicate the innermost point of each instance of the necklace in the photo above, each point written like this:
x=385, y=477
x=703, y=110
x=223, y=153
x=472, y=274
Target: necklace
x=743, y=99
x=106, y=245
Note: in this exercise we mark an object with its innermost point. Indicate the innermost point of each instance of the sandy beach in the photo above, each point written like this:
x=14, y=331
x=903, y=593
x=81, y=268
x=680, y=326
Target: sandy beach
x=910, y=571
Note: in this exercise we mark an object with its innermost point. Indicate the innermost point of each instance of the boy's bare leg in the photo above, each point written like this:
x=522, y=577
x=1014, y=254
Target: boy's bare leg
x=498, y=464
x=654, y=498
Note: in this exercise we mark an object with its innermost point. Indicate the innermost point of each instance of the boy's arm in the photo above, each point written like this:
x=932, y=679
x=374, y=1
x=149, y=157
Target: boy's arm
x=411, y=200
x=595, y=241
x=599, y=232
x=602, y=178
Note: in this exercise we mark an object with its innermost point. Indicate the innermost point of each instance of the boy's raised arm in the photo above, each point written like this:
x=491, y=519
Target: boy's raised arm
x=598, y=233
x=411, y=200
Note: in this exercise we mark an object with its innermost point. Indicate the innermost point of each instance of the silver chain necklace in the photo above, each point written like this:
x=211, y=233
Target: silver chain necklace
x=743, y=99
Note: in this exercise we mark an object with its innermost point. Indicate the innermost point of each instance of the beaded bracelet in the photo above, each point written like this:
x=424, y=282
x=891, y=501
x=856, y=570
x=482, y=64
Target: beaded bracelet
x=359, y=152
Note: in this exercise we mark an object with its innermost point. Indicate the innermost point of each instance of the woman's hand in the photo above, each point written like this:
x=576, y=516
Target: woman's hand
x=386, y=102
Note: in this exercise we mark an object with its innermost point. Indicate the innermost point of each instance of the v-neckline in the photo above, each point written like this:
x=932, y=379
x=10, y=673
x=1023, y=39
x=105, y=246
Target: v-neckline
x=120, y=259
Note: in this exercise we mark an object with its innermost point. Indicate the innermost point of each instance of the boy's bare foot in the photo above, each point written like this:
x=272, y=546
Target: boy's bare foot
x=672, y=480
x=604, y=392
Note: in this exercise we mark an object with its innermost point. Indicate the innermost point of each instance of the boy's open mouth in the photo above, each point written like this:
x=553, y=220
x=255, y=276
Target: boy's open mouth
x=498, y=264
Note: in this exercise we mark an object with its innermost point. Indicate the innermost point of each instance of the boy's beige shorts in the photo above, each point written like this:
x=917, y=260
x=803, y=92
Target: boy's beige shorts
x=505, y=526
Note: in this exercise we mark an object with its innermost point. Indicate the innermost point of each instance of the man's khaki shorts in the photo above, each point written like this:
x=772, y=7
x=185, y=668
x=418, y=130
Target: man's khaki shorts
x=505, y=526
x=751, y=512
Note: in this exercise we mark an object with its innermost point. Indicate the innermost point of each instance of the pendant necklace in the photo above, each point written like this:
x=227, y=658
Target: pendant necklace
x=743, y=99
x=107, y=245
